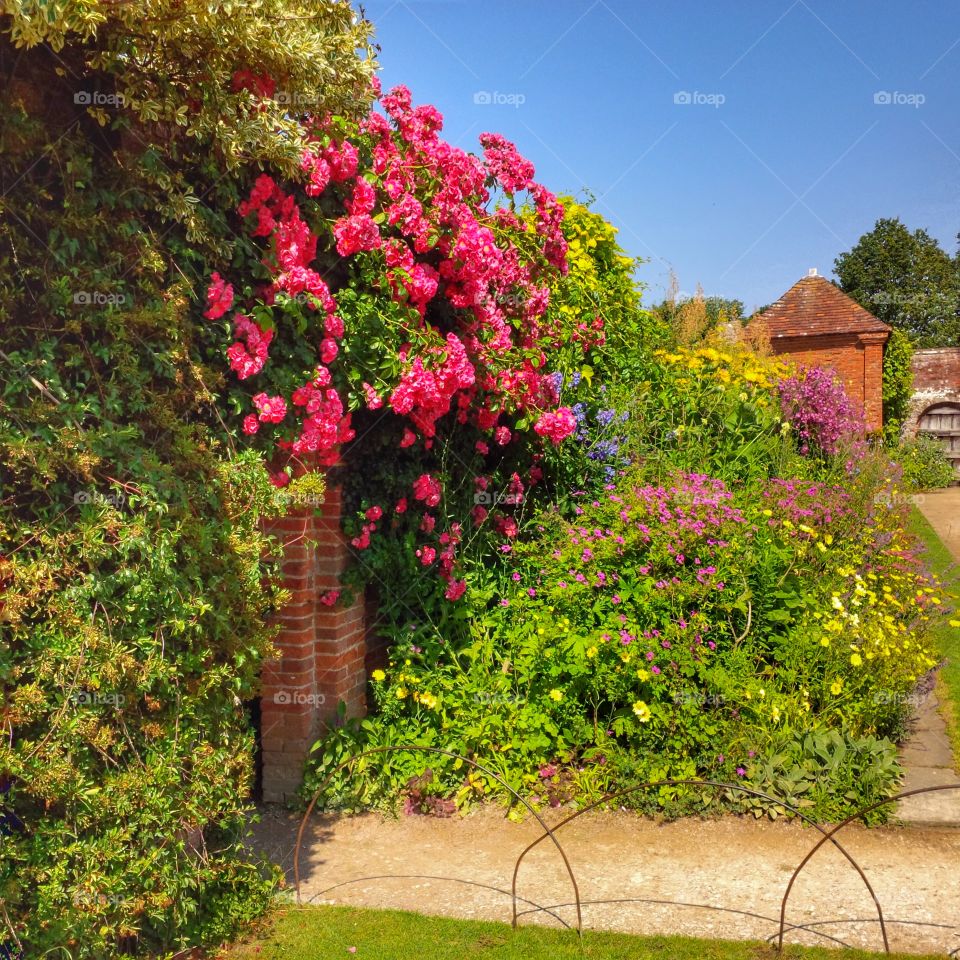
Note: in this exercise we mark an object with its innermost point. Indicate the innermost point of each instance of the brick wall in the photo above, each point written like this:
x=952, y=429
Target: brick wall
x=857, y=359
x=322, y=649
x=936, y=379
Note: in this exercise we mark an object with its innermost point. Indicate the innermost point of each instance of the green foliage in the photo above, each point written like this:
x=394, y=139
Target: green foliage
x=825, y=775
x=905, y=279
x=897, y=383
x=309, y=931
x=135, y=577
x=925, y=464
x=667, y=631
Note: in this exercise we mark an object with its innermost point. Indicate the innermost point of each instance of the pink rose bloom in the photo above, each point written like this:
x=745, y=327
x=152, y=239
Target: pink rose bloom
x=219, y=297
x=328, y=350
x=482, y=448
x=401, y=506
x=456, y=589
x=374, y=513
x=502, y=436
x=330, y=598
x=272, y=409
x=374, y=400
x=427, y=489
x=427, y=555
x=556, y=426
x=250, y=423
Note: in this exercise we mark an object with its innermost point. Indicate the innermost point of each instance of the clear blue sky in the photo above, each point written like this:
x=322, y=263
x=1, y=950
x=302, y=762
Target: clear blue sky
x=793, y=165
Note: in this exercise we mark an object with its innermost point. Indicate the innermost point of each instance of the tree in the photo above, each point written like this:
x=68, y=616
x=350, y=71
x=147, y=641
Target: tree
x=905, y=279
x=692, y=318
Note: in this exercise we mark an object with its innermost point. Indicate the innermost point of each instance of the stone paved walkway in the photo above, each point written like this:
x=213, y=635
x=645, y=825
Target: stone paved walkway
x=927, y=754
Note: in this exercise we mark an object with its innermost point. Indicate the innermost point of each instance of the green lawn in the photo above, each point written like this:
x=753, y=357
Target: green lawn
x=325, y=933
x=948, y=638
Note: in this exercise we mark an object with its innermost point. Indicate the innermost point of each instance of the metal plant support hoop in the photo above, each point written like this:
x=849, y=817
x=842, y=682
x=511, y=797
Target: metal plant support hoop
x=828, y=835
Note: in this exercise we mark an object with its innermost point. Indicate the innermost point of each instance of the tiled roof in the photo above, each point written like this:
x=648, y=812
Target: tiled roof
x=813, y=307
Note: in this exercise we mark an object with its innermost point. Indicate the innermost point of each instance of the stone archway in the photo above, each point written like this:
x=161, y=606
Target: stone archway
x=942, y=420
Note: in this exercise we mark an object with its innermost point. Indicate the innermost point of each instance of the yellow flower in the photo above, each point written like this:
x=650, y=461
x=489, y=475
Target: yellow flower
x=642, y=711
x=955, y=623
x=836, y=687
x=556, y=694
x=401, y=692
x=856, y=660
x=592, y=652
x=643, y=674
x=378, y=676
x=768, y=513
x=429, y=700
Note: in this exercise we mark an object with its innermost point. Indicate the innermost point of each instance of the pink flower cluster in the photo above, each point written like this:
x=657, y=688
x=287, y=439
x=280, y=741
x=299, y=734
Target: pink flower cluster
x=816, y=405
x=462, y=324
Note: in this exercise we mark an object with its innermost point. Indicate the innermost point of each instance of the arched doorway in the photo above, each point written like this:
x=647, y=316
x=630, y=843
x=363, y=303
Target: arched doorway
x=942, y=421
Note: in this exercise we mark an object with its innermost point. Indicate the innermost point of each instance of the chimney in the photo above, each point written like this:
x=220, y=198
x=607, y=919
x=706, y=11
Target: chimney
x=812, y=272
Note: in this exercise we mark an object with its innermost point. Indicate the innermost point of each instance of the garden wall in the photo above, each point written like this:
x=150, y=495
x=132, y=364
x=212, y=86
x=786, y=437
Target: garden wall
x=323, y=650
x=936, y=379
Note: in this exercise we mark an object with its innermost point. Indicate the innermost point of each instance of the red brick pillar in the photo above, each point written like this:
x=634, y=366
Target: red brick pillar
x=873, y=378
x=321, y=648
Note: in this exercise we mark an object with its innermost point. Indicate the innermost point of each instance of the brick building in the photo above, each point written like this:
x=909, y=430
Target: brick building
x=935, y=406
x=816, y=324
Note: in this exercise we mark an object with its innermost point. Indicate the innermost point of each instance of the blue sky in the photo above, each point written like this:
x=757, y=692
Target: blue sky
x=781, y=159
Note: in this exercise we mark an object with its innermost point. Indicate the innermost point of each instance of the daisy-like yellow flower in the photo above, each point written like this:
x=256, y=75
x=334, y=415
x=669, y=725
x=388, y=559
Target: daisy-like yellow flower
x=836, y=687
x=592, y=652
x=856, y=660
x=643, y=674
x=401, y=692
x=556, y=694
x=641, y=711
x=378, y=676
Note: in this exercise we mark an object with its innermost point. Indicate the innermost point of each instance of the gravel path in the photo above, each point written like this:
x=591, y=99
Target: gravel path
x=927, y=754
x=723, y=878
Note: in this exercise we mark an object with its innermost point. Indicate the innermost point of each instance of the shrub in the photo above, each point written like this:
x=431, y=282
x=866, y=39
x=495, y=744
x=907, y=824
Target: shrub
x=818, y=409
x=135, y=578
x=671, y=630
x=924, y=463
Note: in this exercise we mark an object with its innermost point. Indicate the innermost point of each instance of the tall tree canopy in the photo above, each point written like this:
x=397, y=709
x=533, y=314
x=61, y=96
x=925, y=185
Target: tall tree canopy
x=905, y=279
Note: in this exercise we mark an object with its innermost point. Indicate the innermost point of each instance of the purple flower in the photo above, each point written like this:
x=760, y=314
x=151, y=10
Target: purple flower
x=741, y=772
x=615, y=599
